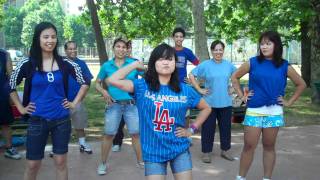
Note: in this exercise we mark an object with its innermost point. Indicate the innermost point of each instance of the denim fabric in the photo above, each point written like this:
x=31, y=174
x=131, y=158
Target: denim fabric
x=179, y=164
x=38, y=132
x=113, y=115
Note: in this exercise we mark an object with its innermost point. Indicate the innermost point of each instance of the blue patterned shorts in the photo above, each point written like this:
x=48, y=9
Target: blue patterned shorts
x=267, y=121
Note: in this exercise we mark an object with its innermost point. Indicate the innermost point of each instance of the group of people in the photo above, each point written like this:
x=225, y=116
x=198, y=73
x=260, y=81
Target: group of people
x=152, y=101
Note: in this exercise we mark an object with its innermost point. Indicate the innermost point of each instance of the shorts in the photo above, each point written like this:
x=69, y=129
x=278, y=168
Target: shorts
x=268, y=121
x=113, y=115
x=38, y=132
x=6, y=116
x=180, y=164
x=79, y=117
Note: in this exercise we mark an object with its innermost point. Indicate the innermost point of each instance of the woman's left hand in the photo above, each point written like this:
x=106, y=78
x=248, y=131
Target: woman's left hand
x=182, y=132
x=67, y=104
x=283, y=102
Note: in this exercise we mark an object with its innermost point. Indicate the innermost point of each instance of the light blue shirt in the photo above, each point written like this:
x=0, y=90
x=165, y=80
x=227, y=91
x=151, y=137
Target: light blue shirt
x=107, y=69
x=217, y=78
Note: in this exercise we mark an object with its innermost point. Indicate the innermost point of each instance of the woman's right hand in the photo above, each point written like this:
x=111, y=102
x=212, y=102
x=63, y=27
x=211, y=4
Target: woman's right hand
x=107, y=98
x=246, y=95
x=29, y=109
x=139, y=66
x=204, y=91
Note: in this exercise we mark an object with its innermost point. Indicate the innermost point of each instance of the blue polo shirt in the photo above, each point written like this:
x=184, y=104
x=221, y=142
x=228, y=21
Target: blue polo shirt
x=216, y=77
x=108, y=68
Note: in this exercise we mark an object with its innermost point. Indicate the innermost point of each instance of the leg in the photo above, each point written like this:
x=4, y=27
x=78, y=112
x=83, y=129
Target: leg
x=137, y=146
x=32, y=169
x=131, y=118
x=251, y=139
x=269, y=136
x=186, y=175
x=60, y=161
x=224, y=122
x=119, y=136
x=181, y=166
x=60, y=134
x=208, y=131
x=105, y=147
x=156, y=177
x=6, y=133
x=155, y=171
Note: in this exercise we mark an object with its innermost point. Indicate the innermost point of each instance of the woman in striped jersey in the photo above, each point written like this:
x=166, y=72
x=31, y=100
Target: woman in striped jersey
x=162, y=102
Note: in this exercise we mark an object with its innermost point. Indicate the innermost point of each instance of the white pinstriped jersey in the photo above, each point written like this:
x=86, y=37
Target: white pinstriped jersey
x=160, y=113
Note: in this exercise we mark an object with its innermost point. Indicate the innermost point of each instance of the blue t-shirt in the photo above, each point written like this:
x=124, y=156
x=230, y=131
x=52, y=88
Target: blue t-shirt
x=184, y=56
x=160, y=113
x=267, y=82
x=108, y=68
x=216, y=77
x=47, y=93
x=73, y=85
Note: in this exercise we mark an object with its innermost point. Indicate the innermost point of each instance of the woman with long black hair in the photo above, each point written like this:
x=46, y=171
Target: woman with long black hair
x=45, y=99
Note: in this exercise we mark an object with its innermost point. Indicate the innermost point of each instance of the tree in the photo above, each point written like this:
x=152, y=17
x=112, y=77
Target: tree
x=234, y=19
x=200, y=29
x=75, y=29
x=1, y=12
x=315, y=52
x=37, y=12
x=98, y=33
x=13, y=20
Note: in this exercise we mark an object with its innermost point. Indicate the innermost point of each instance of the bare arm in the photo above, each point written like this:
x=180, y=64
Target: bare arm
x=235, y=78
x=102, y=91
x=196, y=85
x=299, y=83
x=118, y=78
x=205, y=111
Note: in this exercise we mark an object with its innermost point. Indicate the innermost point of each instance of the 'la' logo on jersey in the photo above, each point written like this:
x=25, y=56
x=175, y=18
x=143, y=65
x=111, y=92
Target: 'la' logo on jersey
x=162, y=120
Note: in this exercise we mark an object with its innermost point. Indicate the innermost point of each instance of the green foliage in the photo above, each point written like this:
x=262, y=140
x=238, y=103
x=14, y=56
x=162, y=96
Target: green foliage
x=38, y=11
x=13, y=26
x=151, y=19
x=1, y=12
x=75, y=29
x=234, y=19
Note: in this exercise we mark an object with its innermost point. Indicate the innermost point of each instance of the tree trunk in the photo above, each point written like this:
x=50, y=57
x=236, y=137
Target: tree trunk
x=305, y=53
x=315, y=53
x=98, y=33
x=200, y=30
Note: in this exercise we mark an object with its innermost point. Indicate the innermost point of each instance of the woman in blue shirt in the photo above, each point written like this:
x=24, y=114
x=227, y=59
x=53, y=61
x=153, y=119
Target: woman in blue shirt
x=216, y=73
x=268, y=74
x=162, y=102
x=45, y=99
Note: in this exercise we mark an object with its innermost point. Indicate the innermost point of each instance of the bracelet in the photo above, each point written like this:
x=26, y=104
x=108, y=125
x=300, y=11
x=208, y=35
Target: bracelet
x=194, y=128
x=191, y=131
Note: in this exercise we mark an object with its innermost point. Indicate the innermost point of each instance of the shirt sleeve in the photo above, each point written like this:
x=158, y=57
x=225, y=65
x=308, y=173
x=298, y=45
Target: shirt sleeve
x=78, y=73
x=102, y=73
x=198, y=71
x=86, y=71
x=233, y=68
x=193, y=97
x=192, y=58
x=139, y=86
x=18, y=74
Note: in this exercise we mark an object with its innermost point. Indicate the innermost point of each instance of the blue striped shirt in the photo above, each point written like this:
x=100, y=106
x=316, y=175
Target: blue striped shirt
x=160, y=113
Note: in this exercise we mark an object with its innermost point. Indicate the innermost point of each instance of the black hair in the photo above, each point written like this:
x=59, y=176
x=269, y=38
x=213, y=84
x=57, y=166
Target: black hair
x=216, y=42
x=274, y=37
x=35, y=49
x=179, y=29
x=67, y=43
x=129, y=43
x=119, y=40
x=151, y=77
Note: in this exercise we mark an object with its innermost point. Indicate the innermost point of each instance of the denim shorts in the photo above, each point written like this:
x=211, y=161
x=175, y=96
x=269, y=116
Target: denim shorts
x=38, y=132
x=113, y=115
x=180, y=164
x=267, y=121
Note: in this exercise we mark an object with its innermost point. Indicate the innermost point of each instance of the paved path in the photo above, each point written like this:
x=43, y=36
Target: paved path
x=298, y=150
